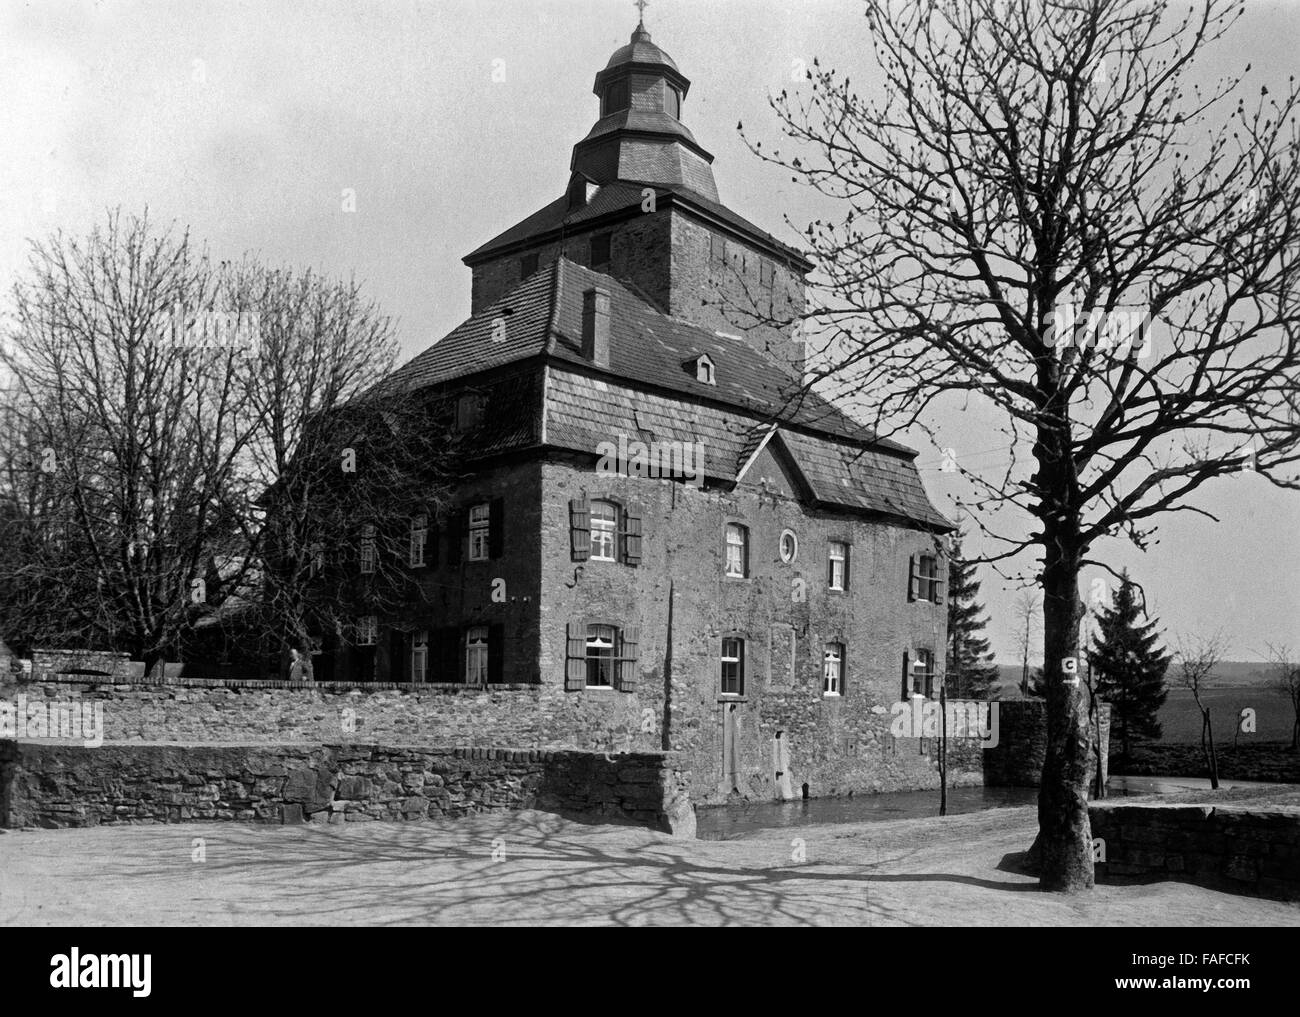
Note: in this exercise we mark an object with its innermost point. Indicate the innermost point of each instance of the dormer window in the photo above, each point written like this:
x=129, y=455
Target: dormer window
x=702, y=368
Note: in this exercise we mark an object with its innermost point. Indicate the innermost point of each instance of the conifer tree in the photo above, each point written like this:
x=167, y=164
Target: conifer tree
x=971, y=673
x=1129, y=668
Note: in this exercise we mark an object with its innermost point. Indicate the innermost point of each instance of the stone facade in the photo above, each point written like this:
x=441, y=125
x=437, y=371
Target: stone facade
x=58, y=785
x=1241, y=849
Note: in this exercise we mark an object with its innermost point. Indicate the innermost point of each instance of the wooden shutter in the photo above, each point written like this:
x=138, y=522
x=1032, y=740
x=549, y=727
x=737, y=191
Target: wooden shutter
x=575, y=656
x=580, y=528
x=939, y=578
x=496, y=531
x=848, y=557
x=431, y=545
x=628, y=666
x=496, y=653
x=455, y=535
x=632, y=536
x=911, y=578
x=744, y=545
x=907, y=677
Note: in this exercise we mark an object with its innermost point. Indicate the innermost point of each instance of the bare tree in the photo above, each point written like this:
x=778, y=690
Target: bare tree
x=1197, y=657
x=1285, y=679
x=1028, y=608
x=132, y=425
x=337, y=469
x=1040, y=177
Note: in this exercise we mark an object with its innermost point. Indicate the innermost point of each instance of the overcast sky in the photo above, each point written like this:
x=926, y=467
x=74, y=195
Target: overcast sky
x=248, y=121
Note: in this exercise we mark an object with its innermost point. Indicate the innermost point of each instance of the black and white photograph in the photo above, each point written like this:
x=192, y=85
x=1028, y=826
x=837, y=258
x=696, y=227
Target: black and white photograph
x=673, y=463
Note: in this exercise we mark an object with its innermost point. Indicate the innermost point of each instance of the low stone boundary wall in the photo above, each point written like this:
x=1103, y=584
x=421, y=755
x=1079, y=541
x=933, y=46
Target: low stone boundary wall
x=50, y=785
x=1241, y=849
x=1274, y=762
x=1017, y=759
x=277, y=712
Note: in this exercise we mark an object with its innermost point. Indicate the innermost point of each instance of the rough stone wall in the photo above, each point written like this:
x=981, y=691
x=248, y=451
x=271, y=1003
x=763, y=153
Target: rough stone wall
x=57, y=786
x=1017, y=760
x=639, y=255
x=834, y=744
x=276, y=712
x=1245, y=850
x=1271, y=762
x=727, y=295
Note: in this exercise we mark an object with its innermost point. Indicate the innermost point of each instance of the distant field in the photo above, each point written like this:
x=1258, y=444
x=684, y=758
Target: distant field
x=1232, y=691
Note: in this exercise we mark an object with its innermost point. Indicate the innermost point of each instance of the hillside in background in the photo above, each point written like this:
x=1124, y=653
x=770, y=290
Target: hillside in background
x=1230, y=674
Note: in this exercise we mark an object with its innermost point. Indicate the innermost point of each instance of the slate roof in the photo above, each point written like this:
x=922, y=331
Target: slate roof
x=619, y=196
x=647, y=391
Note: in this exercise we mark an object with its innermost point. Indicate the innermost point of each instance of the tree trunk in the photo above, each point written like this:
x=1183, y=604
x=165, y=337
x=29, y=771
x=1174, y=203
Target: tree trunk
x=1207, y=748
x=1064, y=843
x=1214, y=759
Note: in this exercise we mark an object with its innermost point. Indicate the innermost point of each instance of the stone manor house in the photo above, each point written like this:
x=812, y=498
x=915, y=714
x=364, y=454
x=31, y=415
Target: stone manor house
x=757, y=611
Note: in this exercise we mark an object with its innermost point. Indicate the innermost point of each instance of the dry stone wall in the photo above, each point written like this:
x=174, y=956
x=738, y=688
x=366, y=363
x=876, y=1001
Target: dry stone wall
x=50, y=785
x=1241, y=849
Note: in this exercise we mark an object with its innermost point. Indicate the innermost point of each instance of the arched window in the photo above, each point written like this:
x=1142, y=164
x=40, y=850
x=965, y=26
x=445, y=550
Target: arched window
x=673, y=102
x=617, y=97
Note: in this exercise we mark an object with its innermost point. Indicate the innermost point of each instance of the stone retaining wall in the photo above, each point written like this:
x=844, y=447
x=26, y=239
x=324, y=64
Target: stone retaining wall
x=49, y=785
x=1017, y=760
x=1241, y=849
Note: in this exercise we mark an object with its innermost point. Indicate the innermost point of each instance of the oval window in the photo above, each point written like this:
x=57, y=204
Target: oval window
x=789, y=546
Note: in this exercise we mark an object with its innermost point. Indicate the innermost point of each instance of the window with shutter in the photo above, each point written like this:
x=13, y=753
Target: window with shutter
x=907, y=676
x=575, y=656
x=602, y=522
x=632, y=537
x=476, y=655
x=480, y=528
x=580, y=528
x=911, y=578
x=628, y=664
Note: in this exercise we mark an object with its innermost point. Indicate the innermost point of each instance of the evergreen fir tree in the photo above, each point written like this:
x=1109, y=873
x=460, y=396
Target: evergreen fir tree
x=971, y=673
x=1129, y=668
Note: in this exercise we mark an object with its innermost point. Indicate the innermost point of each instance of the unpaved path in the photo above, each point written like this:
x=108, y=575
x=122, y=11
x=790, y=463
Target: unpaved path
x=549, y=870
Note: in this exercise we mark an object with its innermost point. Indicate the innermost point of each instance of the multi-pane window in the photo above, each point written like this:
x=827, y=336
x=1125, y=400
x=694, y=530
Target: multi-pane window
x=420, y=656
x=476, y=655
x=927, y=577
x=733, y=667
x=923, y=673
x=419, y=537
x=480, y=527
x=737, y=551
x=601, y=641
x=837, y=572
x=604, y=531
x=368, y=549
x=367, y=630
x=833, y=669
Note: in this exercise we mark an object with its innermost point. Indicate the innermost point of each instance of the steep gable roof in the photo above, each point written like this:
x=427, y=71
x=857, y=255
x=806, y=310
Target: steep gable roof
x=648, y=390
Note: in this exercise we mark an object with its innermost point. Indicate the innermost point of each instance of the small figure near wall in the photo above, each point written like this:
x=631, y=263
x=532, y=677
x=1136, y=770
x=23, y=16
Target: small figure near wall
x=300, y=669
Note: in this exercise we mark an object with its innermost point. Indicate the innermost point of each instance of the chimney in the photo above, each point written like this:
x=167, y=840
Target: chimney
x=595, y=326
